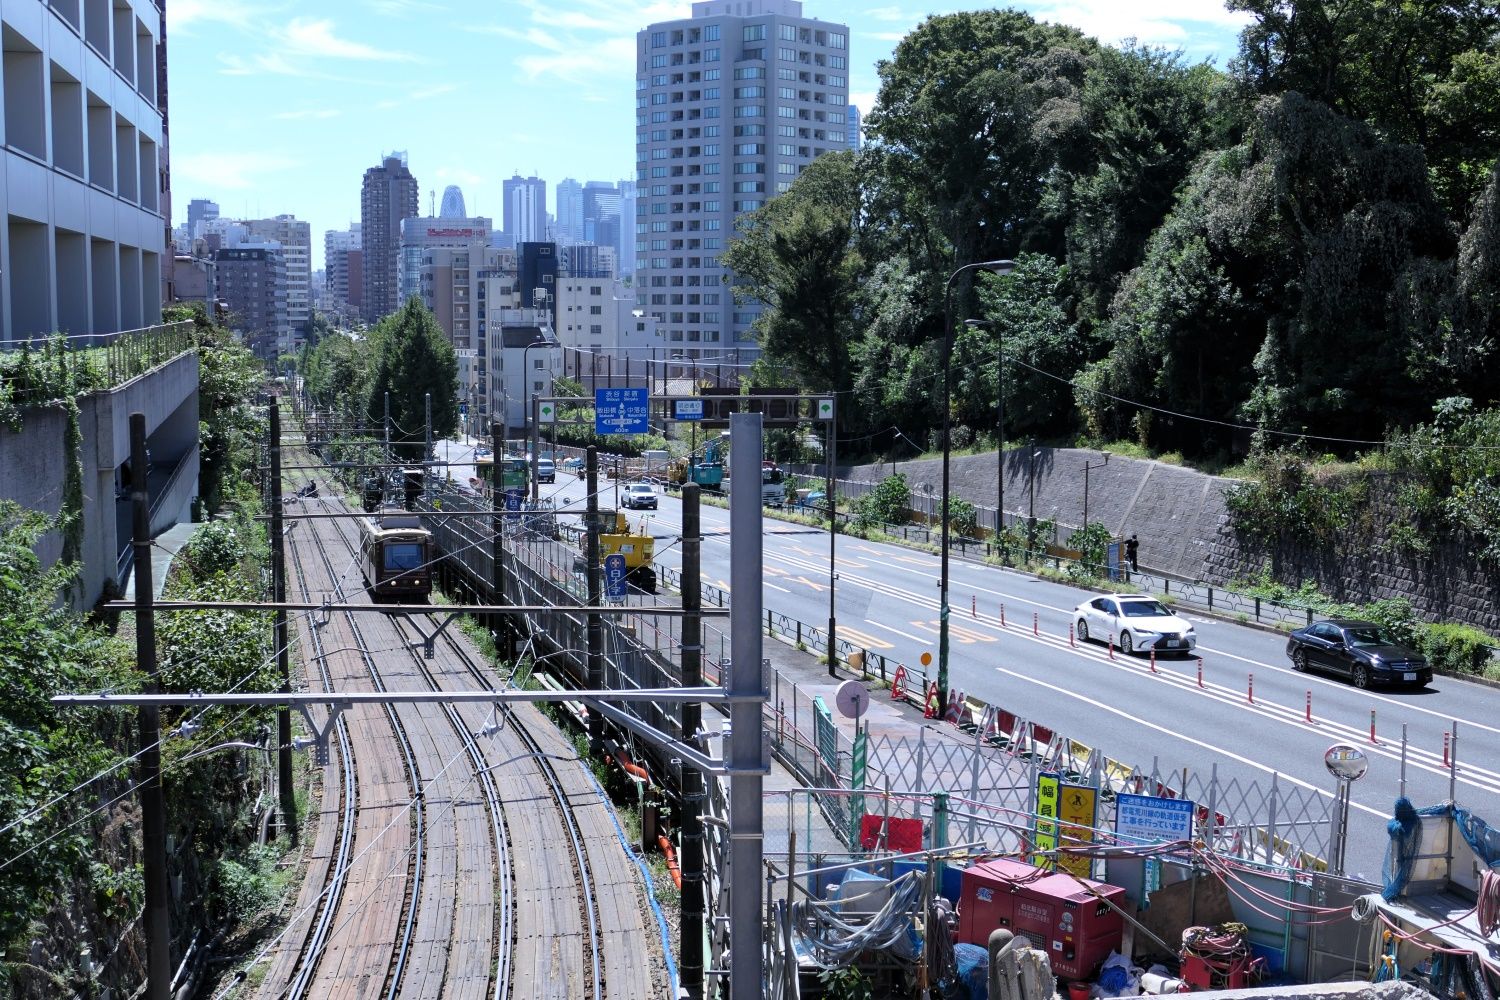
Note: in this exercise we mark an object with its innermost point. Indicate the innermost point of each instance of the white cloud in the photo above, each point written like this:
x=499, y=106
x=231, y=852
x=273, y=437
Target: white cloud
x=459, y=176
x=182, y=14
x=226, y=170
x=1173, y=23
x=862, y=99
x=308, y=37
x=311, y=114
x=401, y=8
x=891, y=14
x=582, y=41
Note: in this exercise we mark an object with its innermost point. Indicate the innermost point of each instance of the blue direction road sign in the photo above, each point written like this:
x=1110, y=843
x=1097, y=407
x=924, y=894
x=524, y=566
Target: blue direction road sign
x=687, y=409
x=621, y=411
x=614, y=575
x=513, y=498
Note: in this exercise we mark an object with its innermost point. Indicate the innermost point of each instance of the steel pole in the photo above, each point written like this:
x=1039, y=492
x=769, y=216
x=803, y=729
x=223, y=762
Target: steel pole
x=536, y=448
x=747, y=750
x=999, y=431
x=595, y=592
x=833, y=534
x=427, y=417
x=947, y=359
x=279, y=634
x=690, y=946
x=157, y=916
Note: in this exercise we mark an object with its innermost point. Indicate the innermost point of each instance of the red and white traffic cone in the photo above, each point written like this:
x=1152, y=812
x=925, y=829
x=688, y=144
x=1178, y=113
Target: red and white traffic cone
x=1250, y=690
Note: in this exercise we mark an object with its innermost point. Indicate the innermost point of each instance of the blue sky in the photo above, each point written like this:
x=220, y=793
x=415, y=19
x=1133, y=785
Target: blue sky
x=280, y=106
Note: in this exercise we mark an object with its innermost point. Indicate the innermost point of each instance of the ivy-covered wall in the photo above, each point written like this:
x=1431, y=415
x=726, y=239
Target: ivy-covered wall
x=1358, y=539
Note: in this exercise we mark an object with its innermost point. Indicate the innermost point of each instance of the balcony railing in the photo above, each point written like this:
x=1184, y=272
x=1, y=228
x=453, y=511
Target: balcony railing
x=42, y=370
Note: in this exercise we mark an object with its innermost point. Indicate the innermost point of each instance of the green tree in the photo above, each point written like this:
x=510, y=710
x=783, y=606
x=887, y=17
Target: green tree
x=413, y=359
x=888, y=503
x=797, y=255
x=1421, y=72
x=1291, y=255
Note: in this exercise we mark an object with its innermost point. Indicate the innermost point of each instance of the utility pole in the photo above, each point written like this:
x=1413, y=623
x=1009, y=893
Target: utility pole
x=158, y=915
x=595, y=625
x=279, y=636
x=536, y=448
x=387, y=430
x=690, y=947
x=427, y=406
x=747, y=748
x=833, y=534
x=497, y=503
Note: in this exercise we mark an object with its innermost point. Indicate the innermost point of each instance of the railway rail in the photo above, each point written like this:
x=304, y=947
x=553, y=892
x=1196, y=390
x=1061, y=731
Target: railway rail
x=461, y=852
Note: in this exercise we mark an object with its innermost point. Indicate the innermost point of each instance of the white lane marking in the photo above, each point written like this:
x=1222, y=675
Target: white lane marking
x=897, y=631
x=1186, y=739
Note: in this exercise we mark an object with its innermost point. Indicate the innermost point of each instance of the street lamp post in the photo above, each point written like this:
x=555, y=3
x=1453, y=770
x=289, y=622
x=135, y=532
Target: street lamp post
x=1086, y=467
x=998, y=267
x=1031, y=495
x=999, y=422
x=536, y=430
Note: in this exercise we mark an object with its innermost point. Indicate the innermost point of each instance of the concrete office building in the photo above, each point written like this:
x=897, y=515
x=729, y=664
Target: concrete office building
x=731, y=105
x=603, y=334
x=252, y=284
x=199, y=211
x=569, y=228
x=525, y=209
x=424, y=232
x=82, y=179
x=295, y=238
x=388, y=195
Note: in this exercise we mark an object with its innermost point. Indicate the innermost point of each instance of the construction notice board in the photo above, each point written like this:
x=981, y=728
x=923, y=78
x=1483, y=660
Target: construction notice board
x=1065, y=816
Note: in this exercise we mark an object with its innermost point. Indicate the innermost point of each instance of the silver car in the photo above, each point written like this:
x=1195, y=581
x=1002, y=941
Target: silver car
x=1134, y=622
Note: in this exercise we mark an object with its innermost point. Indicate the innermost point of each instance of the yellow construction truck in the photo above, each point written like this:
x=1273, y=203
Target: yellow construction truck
x=637, y=547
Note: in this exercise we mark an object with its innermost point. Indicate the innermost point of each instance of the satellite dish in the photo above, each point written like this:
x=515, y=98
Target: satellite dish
x=852, y=699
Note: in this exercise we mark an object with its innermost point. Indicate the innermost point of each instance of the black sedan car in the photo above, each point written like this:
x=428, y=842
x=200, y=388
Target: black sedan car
x=1364, y=652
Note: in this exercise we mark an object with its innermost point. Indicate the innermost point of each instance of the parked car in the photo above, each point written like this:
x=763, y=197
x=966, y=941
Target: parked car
x=1134, y=622
x=639, y=496
x=1364, y=652
x=546, y=470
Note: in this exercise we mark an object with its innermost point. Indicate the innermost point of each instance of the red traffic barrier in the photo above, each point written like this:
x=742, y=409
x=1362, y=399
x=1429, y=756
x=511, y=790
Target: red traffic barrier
x=898, y=691
x=1446, y=738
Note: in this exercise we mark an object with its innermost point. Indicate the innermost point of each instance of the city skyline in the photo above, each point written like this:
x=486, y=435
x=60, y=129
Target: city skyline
x=291, y=109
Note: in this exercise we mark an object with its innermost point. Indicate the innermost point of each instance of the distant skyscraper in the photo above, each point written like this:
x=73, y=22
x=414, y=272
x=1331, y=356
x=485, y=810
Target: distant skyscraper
x=295, y=238
x=732, y=104
x=525, y=215
x=453, y=203
x=856, y=140
x=389, y=195
x=625, y=250
x=200, y=210
x=337, y=246
x=569, y=212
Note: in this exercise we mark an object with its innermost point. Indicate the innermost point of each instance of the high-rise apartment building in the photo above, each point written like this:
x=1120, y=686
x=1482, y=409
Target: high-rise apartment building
x=389, y=195
x=569, y=212
x=82, y=226
x=295, y=238
x=525, y=210
x=731, y=105
x=343, y=289
x=252, y=283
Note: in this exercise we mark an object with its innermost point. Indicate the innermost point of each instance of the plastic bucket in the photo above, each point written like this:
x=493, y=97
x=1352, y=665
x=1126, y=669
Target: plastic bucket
x=1078, y=991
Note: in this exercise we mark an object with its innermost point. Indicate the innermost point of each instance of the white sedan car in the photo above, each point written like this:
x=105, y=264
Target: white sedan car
x=1133, y=622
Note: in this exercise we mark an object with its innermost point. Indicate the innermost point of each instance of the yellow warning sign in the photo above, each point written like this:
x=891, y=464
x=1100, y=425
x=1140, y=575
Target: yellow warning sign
x=1076, y=808
x=1047, y=787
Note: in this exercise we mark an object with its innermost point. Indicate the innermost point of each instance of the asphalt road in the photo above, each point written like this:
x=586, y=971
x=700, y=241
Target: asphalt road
x=887, y=600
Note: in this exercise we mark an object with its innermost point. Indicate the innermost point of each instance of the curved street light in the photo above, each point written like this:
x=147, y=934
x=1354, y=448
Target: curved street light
x=996, y=267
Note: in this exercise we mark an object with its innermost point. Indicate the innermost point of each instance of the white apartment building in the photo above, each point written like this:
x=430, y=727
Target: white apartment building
x=731, y=105
x=82, y=183
x=422, y=233
x=295, y=238
x=601, y=329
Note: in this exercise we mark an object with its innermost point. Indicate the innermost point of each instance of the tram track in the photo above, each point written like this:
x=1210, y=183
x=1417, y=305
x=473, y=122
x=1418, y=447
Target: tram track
x=513, y=880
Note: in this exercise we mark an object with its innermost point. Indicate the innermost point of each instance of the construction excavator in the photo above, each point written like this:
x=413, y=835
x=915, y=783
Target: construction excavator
x=707, y=473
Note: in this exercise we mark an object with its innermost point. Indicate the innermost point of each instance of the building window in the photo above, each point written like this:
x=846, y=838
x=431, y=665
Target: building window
x=786, y=55
x=788, y=33
x=710, y=75
x=750, y=111
x=658, y=39
x=750, y=73
x=836, y=41
x=596, y=330
x=755, y=32
x=710, y=55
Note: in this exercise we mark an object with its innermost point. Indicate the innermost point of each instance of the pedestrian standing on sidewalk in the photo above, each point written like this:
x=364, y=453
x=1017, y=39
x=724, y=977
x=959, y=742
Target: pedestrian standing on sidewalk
x=1132, y=549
